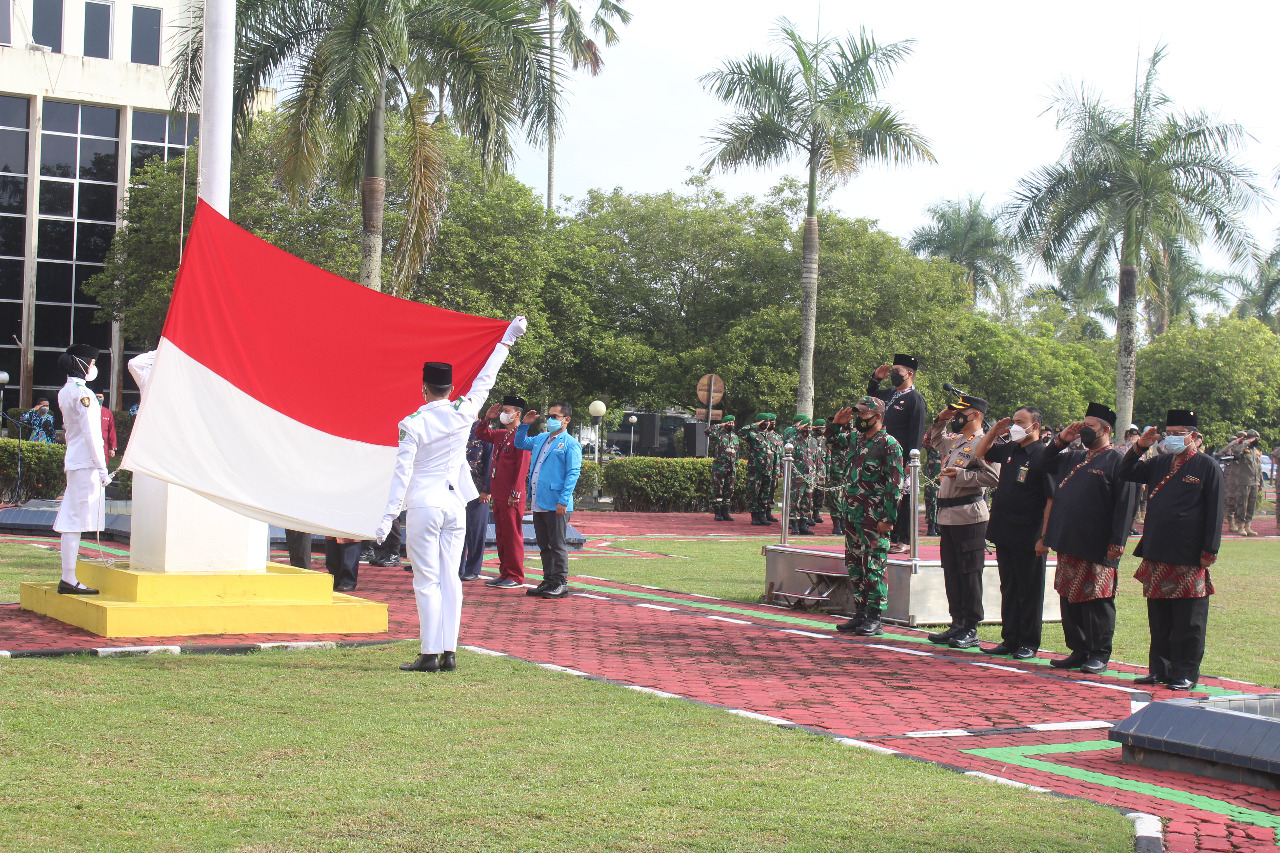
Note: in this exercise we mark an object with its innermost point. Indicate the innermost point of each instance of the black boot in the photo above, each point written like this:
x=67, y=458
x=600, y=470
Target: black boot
x=769, y=516
x=837, y=526
x=941, y=638
x=871, y=626
x=859, y=616
x=817, y=517
x=791, y=528
x=757, y=519
x=447, y=662
x=718, y=515
x=724, y=513
x=803, y=527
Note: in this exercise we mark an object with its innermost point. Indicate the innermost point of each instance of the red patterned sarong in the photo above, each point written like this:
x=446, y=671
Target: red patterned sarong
x=1078, y=580
x=1169, y=580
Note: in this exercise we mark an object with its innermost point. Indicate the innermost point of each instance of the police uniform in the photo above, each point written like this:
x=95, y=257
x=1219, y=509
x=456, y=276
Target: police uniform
x=962, y=520
x=432, y=481
x=83, y=507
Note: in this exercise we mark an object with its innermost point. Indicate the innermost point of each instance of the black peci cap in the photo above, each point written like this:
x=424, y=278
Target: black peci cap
x=1181, y=417
x=437, y=373
x=513, y=400
x=1102, y=413
x=907, y=361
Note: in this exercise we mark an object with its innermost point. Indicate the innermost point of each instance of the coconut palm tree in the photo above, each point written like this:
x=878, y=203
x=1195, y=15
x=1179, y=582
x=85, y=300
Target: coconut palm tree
x=1177, y=287
x=966, y=234
x=345, y=63
x=816, y=101
x=1128, y=181
x=574, y=40
x=1257, y=292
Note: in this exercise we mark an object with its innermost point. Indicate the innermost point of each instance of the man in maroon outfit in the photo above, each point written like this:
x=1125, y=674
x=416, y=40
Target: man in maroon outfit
x=510, y=470
x=108, y=430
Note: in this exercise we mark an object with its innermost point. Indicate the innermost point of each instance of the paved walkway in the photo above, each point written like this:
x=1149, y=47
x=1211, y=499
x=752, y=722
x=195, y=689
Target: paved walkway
x=1018, y=721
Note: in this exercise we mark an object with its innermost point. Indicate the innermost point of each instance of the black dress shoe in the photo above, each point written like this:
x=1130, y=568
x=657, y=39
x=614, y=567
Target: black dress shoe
x=76, y=588
x=537, y=590
x=1023, y=653
x=385, y=562
x=423, y=663
x=1094, y=666
x=1181, y=684
x=447, y=662
x=471, y=576
x=941, y=638
x=1071, y=661
x=1001, y=649
x=966, y=639
x=344, y=587
x=559, y=590
x=1147, y=680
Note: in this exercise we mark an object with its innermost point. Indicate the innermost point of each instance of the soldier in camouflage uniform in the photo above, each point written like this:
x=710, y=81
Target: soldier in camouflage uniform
x=836, y=458
x=771, y=488
x=802, y=478
x=818, y=449
x=723, y=449
x=1242, y=482
x=873, y=476
x=932, y=471
x=754, y=437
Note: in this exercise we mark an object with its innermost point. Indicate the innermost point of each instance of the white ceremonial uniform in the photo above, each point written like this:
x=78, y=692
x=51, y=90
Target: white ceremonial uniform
x=83, y=506
x=433, y=482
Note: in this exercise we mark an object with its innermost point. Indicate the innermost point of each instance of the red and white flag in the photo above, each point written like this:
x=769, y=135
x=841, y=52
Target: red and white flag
x=277, y=387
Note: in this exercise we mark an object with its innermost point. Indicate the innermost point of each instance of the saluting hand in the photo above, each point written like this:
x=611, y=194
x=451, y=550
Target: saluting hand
x=494, y=411
x=1148, y=438
x=1001, y=427
x=843, y=416
x=529, y=417
x=1070, y=432
x=882, y=372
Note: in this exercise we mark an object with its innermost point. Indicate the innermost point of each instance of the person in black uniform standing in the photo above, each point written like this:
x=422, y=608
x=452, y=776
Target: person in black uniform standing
x=1018, y=518
x=906, y=417
x=1088, y=527
x=1180, y=540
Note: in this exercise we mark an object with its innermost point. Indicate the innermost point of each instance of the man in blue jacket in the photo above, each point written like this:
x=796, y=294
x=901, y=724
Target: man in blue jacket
x=555, y=460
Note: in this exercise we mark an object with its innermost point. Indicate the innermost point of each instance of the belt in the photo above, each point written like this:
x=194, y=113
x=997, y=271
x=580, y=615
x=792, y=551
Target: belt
x=964, y=501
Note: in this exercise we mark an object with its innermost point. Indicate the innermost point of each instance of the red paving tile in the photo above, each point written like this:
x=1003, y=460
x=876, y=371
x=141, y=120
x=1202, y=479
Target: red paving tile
x=868, y=690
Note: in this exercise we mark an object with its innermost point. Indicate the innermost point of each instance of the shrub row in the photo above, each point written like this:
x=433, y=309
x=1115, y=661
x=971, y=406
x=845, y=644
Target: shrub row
x=42, y=474
x=654, y=484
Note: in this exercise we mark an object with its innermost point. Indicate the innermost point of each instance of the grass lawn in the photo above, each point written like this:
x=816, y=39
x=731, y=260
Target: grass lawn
x=338, y=751
x=1246, y=576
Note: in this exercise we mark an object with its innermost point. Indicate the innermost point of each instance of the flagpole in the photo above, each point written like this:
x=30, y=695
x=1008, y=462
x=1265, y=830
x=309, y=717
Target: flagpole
x=216, y=103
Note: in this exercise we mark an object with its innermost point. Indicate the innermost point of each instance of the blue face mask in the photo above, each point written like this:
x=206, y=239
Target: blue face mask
x=1175, y=443
x=553, y=425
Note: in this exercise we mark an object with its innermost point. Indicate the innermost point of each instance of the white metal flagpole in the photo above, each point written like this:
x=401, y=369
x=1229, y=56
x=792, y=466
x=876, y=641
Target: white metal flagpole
x=216, y=103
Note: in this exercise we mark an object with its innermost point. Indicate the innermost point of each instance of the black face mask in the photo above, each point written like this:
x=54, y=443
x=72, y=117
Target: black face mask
x=863, y=424
x=728, y=427
x=897, y=378
x=1088, y=436
x=958, y=423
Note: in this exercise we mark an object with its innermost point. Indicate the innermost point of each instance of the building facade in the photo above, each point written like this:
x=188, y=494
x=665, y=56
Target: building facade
x=83, y=104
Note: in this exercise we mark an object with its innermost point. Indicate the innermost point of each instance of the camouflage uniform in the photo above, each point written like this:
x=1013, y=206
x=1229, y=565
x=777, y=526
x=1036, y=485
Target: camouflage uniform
x=759, y=464
x=836, y=463
x=775, y=443
x=872, y=473
x=802, y=479
x=818, y=450
x=723, y=450
x=1243, y=480
x=932, y=471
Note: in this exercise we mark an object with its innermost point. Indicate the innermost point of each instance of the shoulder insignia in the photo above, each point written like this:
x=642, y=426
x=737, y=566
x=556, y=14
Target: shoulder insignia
x=403, y=433
x=414, y=415
x=85, y=401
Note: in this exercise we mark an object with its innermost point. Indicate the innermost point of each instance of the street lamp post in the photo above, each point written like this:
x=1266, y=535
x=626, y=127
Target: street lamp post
x=597, y=410
x=631, y=449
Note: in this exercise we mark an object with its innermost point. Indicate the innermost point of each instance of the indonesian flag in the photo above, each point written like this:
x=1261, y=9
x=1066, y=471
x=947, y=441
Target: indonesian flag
x=277, y=387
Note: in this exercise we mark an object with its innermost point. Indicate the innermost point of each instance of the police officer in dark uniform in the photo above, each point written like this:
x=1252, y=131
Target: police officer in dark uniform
x=906, y=416
x=1018, y=517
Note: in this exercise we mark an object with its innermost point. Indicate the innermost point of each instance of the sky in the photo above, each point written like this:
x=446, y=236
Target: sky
x=977, y=86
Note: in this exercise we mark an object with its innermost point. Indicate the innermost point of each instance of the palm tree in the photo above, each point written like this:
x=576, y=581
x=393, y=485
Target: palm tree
x=964, y=233
x=345, y=63
x=583, y=52
x=815, y=100
x=1258, y=291
x=1127, y=182
x=1176, y=287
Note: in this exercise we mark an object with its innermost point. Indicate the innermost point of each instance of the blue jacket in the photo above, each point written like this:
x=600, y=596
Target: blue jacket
x=560, y=469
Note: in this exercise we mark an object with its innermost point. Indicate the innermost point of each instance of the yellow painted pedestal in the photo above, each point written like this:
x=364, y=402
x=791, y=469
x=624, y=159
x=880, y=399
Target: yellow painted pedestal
x=143, y=603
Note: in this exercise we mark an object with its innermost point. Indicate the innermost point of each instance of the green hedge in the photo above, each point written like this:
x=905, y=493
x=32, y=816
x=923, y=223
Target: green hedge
x=656, y=484
x=124, y=428
x=588, y=481
x=42, y=474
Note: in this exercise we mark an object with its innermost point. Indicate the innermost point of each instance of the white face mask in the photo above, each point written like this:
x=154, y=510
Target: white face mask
x=507, y=418
x=91, y=374
x=1017, y=433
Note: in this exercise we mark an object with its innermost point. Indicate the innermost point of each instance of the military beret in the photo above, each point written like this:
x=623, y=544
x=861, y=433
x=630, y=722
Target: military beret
x=819, y=422
x=727, y=419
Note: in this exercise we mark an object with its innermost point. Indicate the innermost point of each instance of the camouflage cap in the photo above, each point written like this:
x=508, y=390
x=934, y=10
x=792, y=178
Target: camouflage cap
x=870, y=404
x=1253, y=433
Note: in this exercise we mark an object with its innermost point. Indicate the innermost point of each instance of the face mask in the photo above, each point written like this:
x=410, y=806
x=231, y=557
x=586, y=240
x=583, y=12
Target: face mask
x=553, y=425
x=1017, y=433
x=863, y=424
x=728, y=428
x=897, y=378
x=92, y=374
x=1088, y=436
x=1175, y=443
x=958, y=423
x=507, y=418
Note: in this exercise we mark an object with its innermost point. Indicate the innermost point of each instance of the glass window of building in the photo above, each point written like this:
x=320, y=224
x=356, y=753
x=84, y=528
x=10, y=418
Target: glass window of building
x=145, y=47
x=15, y=119
x=160, y=135
x=6, y=22
x=97, y=30
x=78, y=195
x=46, y=24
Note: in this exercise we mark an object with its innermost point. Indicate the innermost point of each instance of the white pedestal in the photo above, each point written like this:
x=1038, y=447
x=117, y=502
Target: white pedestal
x=175, y=530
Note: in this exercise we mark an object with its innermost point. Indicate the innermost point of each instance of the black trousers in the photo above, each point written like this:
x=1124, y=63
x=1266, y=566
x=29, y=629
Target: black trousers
x=1021, y=595
x=342, y=561
x=473, y=539
x=299, y=545
x=1177, y=637
x=902, y=527
x=1089, y=626
x=963, y=556
x=550, y=529
x=390, y=546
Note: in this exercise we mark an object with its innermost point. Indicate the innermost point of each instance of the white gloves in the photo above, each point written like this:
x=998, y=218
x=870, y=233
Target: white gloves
x=517, y=328
x=384, y=528
x=104, y=477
